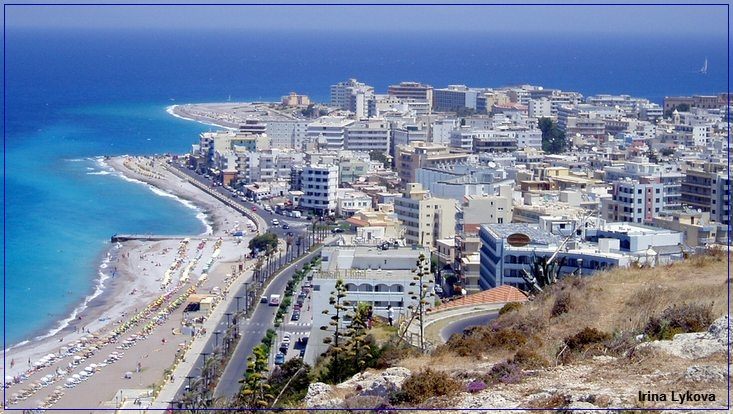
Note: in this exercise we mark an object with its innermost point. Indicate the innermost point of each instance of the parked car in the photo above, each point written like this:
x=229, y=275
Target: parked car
x=279, y=359
x=286, y=338
x=284, y=347
x=295, y=317
x=302, y=353
x=337, y=230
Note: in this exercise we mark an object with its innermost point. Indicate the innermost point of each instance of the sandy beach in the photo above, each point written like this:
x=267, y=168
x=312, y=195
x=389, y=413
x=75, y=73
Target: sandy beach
x=138, y=316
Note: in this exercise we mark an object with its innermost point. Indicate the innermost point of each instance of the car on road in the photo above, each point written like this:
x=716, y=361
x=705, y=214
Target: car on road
x=285, y=226
x=286, y=338
x=279, y=359
x=295, y=317
x=254, y=208
x=275, y=222
x=284, y=347
x=263, y=299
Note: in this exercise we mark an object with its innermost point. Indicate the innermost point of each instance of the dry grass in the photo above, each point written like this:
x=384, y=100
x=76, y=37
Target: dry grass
x=619, y=302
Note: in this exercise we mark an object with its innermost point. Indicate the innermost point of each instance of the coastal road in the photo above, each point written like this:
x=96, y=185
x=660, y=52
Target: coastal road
x=254, y=329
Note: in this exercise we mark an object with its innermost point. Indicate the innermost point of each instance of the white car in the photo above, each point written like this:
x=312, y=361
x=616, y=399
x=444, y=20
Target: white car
x=275, y=222
x=286, y=338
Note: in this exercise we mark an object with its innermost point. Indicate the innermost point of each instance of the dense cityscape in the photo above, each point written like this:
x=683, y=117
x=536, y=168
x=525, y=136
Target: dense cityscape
x=424, y=227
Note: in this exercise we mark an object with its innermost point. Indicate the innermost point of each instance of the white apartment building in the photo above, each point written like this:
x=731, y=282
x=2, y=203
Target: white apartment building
x=350, y=201
x=632, y=201
x=319, y=185
x=372, y=276
x=328, y=132
x=412, y=91
x=368, y=135
x=503, y=263
x=540, y=108
x=287, y=133
x=353, y=96
x=425, y=218
x=441, y=129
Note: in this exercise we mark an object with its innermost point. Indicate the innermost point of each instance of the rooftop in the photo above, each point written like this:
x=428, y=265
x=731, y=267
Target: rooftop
x=536, y=235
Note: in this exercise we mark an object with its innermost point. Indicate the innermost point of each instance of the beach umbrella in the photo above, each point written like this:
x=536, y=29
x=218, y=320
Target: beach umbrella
x=93, y=365
x=76, y=376
x=50, y=356
x=8, y=379
x=69, y=380
x=88, y=369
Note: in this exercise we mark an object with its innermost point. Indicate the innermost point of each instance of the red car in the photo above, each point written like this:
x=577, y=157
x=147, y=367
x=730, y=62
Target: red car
x=254, y=208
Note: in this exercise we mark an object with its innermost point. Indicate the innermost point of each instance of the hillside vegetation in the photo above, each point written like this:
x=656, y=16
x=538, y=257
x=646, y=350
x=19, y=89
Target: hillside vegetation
x=580, y=344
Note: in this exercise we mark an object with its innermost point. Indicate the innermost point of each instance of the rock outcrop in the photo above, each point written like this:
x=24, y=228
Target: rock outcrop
x=694, y=345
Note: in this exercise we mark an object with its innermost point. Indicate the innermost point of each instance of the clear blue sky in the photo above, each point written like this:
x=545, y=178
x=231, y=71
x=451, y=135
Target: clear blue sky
x=660, y=19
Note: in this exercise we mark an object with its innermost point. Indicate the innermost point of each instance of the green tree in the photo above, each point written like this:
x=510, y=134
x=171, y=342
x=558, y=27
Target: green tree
x=290, y=382
x=381, y=157
x=553, y=139
x=255, y=391
x=264, y=243
x=335, y=367
x=422, y=281
x=358, y=347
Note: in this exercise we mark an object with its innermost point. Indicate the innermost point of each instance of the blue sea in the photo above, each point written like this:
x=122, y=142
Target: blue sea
x=73, y=96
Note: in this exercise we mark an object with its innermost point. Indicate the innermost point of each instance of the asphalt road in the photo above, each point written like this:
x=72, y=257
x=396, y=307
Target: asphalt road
x=263, y=317
x=254, y=329
x=460, y=325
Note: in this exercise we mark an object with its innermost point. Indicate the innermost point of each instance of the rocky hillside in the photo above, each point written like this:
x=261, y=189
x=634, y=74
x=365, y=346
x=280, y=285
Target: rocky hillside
x=627, y=338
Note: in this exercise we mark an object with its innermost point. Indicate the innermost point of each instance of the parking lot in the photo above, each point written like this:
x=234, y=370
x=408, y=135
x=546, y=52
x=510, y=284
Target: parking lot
x=292, y=334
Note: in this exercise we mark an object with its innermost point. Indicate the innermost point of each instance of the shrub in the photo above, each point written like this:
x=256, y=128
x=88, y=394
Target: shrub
x=562, y=304
x=475, y=341
x=476, y=386
x=679, y=319
x=509, y=307
x=507, y=372
x=529, y=359
x=427, y=384
x=391, y=354
x=586, y=338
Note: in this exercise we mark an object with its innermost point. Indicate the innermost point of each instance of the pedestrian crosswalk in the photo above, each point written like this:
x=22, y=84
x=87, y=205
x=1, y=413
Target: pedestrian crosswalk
x=298, y=324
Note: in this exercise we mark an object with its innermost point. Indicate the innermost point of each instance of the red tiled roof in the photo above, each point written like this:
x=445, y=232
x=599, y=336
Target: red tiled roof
x=499, y=294
x=357, y=222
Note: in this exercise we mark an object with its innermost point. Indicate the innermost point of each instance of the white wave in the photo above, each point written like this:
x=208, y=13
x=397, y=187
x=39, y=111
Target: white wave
x=99, y=173
x=171, y=111
x=64, y=323
x=203, y=217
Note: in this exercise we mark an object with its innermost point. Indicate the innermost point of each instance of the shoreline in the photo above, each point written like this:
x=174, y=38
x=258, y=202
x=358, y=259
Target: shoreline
x=103, y=278
x=108, y=300
x=177, y=112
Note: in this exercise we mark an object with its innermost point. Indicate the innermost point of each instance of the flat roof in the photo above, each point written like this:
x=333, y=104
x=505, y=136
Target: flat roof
x=536, y=235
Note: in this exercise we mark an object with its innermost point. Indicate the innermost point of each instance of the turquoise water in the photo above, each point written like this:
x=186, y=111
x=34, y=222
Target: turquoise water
x=72, y=96
x=63, y=205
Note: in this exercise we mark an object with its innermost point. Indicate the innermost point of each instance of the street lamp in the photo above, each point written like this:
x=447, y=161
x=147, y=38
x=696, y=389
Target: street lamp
x=216, y=338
